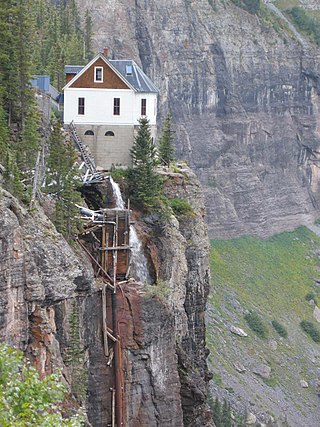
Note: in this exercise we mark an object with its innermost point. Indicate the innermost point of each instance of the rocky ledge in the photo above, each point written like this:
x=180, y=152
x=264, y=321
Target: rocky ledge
x=44, y=281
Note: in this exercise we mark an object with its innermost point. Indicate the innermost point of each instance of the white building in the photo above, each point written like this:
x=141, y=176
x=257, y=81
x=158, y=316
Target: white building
x=105, y=100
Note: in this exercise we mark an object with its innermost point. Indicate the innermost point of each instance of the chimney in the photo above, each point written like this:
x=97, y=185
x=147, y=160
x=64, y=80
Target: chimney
x=105, y=52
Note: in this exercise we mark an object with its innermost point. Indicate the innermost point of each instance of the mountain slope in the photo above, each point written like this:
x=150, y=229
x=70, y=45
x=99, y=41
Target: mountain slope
x=277, y=279
x=244, y=97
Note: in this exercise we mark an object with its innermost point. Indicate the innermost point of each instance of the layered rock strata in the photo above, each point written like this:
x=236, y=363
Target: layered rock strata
x=244, y=94
x=42, y=280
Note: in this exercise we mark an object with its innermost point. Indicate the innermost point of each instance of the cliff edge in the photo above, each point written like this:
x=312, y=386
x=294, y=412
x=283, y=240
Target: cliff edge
x=46, y=284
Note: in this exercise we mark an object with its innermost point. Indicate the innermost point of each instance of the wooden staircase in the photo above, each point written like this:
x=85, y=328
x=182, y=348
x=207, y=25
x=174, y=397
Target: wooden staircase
x=87, y=166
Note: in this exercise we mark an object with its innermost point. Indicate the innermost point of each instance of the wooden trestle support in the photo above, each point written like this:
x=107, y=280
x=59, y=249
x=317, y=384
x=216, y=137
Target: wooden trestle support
x=106, y=242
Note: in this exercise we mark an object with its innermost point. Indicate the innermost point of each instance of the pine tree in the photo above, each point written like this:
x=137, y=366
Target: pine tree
x=145, y=182
x=4, y=136
x=18, y=105
x=61, y=38
x=62, y=182
x=75, y=356
x=216, y=412
x=88, y=53
x=226, y=420
x=166, y=149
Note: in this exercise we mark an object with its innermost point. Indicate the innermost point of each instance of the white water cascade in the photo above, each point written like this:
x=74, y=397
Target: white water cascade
x=117, y=194
x=139, y=264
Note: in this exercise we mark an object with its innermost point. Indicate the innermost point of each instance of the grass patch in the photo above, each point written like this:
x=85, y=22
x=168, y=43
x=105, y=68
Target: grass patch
x=275, y=273
x=159, y=290
x=181, y=207
x=310, y=329
x=311, y=296
x=282, y=331
x=216, y=378
x=271, y=382
x=306, y=23
x=256, y=324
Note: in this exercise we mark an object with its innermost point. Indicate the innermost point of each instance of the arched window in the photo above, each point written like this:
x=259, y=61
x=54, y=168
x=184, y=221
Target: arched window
x=109, y=133
x=89, y=132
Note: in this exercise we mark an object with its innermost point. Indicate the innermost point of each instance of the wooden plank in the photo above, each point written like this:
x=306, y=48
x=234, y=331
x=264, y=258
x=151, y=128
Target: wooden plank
x=104, y=321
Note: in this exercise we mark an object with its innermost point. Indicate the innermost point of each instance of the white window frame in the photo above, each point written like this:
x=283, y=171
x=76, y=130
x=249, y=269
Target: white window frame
x=82, y=106
x=118, y=107
x=95, y=74
x=143, y=107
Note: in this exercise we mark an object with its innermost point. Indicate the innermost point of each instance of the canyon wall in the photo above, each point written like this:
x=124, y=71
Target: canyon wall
x=244, y=94
x=45, y=283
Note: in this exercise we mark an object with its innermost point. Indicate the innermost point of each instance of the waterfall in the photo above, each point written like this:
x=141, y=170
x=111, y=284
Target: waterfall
x=117, y=194
x=139, y=264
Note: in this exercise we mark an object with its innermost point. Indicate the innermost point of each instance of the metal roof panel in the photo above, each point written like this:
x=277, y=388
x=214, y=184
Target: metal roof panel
x=138, y=79
x=73, y=69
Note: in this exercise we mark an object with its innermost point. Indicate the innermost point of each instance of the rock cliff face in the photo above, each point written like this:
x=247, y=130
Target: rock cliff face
x=244, y=96
x=161, y=326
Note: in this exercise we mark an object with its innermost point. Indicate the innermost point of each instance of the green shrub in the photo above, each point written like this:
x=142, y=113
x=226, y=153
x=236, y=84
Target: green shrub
x=118, y=174
x=282, y=331
x=310, y=329
x=180, y=207
x=311, y=296
x=305, y=23
x=256, y=324
x=28, y=400
x=252, y=6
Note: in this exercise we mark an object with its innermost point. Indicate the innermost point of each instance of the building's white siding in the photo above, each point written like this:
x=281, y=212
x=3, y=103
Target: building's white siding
x=99, y=106
x=151, y=107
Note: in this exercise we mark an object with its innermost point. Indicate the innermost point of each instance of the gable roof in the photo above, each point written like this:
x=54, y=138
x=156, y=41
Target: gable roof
x=73, y=69
x=136, y=80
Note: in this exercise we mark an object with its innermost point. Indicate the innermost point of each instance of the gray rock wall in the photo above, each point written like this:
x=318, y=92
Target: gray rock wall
x=244, y=97
x=42, y=279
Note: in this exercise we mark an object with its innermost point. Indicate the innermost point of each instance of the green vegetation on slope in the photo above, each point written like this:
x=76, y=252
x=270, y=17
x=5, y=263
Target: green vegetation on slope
x=277, y=273
x=266, y=288
x=251, y=6
x=27, y=400
x=306, y=23
x=35, y=37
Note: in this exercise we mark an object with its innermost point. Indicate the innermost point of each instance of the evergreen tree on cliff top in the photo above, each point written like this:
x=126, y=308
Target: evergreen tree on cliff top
x=62, y=182
x=144, y=182
x=166, y=150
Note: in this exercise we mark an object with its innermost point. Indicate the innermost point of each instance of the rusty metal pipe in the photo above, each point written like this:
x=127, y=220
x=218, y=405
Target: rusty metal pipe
x=117, y=366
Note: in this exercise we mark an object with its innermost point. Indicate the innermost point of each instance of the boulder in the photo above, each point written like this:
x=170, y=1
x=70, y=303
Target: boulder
x=239, y=367
x=251, y=418
x=273, y=344
x=264, y=371
x=316, y=313
x=238, y=331
x=304, y=384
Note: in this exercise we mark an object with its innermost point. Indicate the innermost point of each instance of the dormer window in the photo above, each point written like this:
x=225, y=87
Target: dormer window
x=129, y=70
x=98, y=74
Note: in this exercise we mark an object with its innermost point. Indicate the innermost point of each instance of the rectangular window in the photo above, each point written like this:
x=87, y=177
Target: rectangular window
x=98, y=74
x=143, y=107
x=129, y=70
x=80, y=105
x=116, y=106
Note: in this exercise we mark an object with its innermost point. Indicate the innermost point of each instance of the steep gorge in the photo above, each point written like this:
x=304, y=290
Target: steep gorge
x=244, y=94
x=162, y=326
